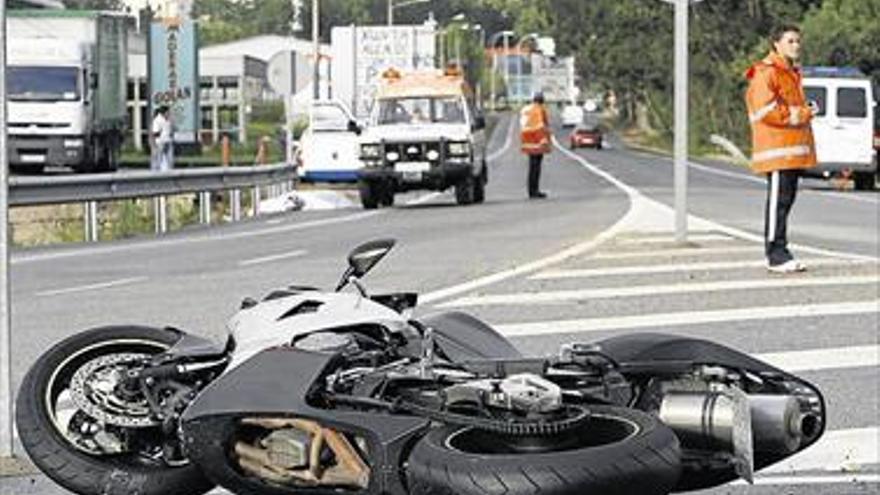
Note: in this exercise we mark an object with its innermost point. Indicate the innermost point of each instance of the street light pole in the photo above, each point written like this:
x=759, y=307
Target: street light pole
x=681, y=116
x=5, y=321
x=316, y=48
x=390, y=12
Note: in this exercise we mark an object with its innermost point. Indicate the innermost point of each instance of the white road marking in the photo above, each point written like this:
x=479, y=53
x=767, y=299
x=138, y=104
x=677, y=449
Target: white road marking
x=837, y=450
x=274, y=257
x=683, y=267
x=760, y=180
x=686, y=251
x=824, y=359
x=687, y=318
x=641, y=241
x=495, y=154
x=208, y=237
x=823, y=479
x=550, y=297
x=643, y=215
x=88, y=287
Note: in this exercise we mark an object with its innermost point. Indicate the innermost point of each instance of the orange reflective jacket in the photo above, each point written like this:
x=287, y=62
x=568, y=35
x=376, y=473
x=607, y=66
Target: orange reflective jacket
x=781, y=134
x=534, y=129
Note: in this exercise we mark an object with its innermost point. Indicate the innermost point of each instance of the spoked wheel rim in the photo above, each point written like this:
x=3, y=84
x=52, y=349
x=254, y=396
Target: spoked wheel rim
x=81, y=399
x=599, y=430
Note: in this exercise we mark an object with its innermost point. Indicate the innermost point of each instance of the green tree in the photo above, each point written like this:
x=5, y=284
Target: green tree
x=844, y=32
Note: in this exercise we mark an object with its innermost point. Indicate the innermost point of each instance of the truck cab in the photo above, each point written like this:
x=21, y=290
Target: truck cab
x=66, y=80
x=423, y=135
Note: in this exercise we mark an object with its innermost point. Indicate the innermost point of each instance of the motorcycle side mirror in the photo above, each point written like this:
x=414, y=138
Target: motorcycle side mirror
x=363, y=258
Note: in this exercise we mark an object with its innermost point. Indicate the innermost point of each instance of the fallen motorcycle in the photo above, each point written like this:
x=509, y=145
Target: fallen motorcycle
x=343, y=392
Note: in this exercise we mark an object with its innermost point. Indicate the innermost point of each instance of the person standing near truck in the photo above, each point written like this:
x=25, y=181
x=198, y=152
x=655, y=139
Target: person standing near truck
x=162, y=141
x=535, y=141
x=782, y=138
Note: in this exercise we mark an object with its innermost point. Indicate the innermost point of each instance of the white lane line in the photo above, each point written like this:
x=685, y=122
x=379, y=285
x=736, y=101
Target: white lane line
x=687, y=318
x=822, y=479
x=639, y=241
x=208, y=237
x=824, y=359
x=495, y=154
x=274, y=257
x=687, y=251
x=558, y=274
x=560, y=296
x=760, y=180
x=837, y=450
x=88, y=287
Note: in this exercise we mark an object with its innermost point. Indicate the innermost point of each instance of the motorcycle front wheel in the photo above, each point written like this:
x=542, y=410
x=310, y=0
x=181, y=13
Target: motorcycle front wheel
x=619, y=451
x=62, y=412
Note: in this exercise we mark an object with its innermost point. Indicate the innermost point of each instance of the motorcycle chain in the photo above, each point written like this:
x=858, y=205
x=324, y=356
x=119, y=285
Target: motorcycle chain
x=577, y=417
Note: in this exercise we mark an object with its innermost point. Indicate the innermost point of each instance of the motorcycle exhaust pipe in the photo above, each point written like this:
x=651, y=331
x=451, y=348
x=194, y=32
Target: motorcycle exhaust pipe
x=708, y=421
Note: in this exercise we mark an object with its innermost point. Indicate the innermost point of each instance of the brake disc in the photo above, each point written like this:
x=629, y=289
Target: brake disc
x=93, y=390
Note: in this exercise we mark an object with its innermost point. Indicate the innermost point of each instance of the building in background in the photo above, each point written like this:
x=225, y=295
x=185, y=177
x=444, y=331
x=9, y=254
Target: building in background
x=233, y=76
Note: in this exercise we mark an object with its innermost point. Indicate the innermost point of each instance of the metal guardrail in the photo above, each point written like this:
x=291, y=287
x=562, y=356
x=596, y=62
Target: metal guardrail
x=91, y=189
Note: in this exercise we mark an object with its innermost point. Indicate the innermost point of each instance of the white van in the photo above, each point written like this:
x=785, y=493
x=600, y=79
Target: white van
x=844, y=125
x=328, y=150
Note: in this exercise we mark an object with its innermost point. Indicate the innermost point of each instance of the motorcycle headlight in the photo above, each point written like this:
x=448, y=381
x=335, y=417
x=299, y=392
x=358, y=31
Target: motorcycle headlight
x=392, y=156
x=432, y=155
x=458, y=149
x=370, y=151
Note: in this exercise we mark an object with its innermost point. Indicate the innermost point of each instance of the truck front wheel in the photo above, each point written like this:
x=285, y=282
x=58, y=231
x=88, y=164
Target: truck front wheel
x=864, y=181
x=369, y=195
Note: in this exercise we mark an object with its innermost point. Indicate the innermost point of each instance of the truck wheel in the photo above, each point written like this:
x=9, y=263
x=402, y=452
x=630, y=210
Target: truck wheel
x=387, y=196
x=864, y=181
x=465, y=190
x=369, y=195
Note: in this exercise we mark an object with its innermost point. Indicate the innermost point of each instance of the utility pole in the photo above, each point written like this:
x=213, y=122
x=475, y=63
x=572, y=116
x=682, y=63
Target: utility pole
x=316, y=77
x=681, y=119
x=5, y=320
x=390, y=12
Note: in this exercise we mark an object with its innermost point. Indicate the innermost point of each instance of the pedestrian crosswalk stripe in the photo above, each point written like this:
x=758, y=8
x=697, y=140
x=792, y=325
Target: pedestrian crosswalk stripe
x=688, y=251
x=837, y=450
x=681, y=267
x=687, y=318
x=551, y=297
x=641, y=240
x=824, y=359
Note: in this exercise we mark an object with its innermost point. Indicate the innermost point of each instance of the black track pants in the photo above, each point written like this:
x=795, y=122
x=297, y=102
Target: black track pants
x=535, y=173
x=781, y=191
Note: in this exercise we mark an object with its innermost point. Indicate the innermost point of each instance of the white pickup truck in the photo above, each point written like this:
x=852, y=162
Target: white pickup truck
x=423, y=134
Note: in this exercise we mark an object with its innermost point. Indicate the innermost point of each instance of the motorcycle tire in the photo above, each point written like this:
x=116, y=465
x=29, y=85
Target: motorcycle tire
x=619, y=451
x=72, y=468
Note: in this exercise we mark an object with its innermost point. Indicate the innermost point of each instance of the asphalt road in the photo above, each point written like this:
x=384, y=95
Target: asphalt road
x=595, y=259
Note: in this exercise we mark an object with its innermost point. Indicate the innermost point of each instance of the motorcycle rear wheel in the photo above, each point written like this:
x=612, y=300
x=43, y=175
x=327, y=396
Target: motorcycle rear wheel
x=74, y=467
x=618, y=451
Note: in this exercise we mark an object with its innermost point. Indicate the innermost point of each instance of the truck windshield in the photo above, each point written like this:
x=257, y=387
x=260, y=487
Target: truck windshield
x=449, y=110
x=43, y=83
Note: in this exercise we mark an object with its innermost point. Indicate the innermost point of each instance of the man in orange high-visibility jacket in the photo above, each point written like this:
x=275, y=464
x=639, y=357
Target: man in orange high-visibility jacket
x=782, y=138
x=535, y=140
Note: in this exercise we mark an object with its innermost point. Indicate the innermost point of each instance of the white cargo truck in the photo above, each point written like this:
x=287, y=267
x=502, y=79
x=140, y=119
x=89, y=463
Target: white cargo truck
x=66, y=88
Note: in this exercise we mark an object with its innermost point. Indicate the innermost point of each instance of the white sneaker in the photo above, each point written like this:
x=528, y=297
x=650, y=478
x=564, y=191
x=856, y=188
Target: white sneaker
x=790, y=266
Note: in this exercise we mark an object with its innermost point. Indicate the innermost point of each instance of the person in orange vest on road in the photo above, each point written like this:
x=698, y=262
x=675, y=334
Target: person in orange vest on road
x=782, y=138
x=535, y=140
